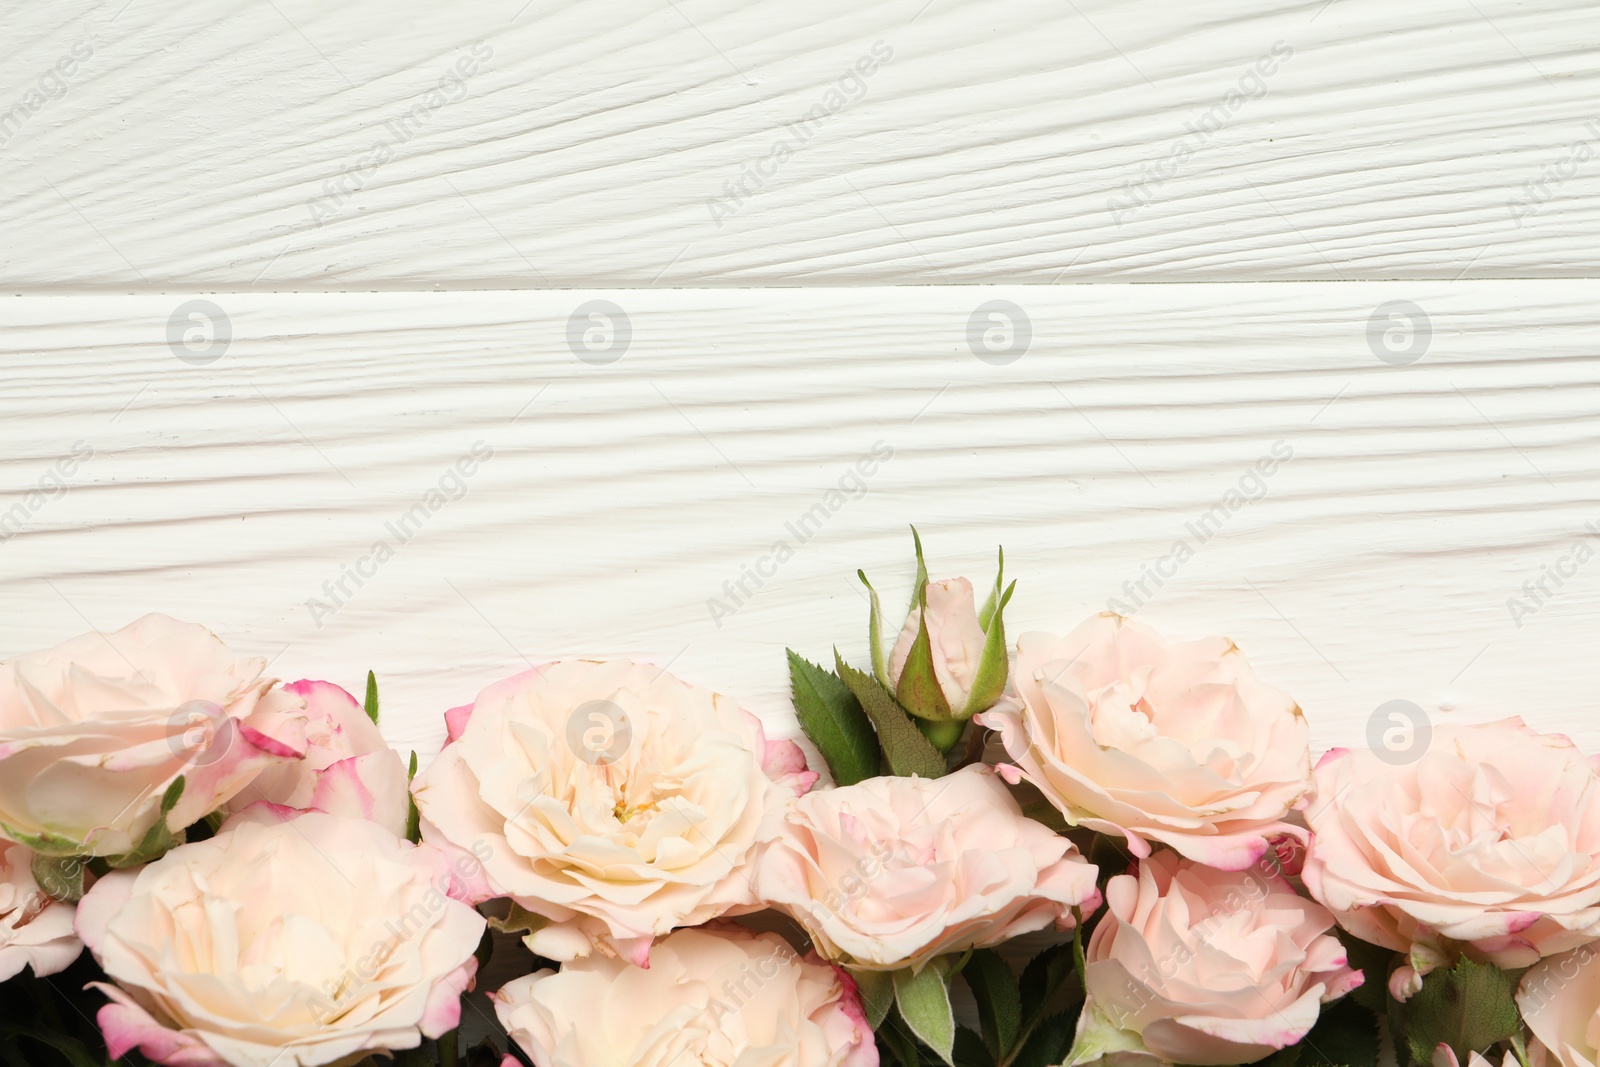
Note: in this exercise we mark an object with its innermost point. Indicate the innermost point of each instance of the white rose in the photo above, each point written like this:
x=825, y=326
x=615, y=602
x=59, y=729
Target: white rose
x=617, y=802
x=724, y=998
x=287, y=940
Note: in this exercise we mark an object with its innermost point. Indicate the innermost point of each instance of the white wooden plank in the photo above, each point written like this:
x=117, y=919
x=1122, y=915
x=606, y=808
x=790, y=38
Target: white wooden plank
x=620, y=498
x=248, y=144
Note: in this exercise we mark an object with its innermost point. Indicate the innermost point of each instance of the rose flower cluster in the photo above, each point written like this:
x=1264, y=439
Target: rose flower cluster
x=260, y=879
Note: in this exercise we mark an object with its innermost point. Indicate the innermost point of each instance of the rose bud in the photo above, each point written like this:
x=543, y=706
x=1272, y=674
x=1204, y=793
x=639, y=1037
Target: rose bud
x=950, y=660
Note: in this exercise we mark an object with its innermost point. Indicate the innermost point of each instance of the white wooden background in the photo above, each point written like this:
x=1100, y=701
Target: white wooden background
x=277, y=156
x=392, y=211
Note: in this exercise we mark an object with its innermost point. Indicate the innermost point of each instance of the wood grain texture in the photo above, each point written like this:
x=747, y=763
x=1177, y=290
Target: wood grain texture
x=621, y=501
x=296, y=145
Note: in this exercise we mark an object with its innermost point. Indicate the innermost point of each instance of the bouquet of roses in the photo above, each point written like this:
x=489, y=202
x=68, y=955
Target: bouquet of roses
x=1102, y=846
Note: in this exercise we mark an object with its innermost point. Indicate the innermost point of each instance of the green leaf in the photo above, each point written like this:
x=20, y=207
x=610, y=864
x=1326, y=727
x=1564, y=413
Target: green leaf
x=918, y=690
x=1041, y=977
x=907, y=751
x=413, y=816
x=880, y=664
x=1469, y=1008
x=372, y=697
x=74, y=1051
x=924, y=1003
x=896, y=1037
x=831, y=716
x=994, y=987
x=61, y=877
x=995, y=665
x=970, y=1050
x=448, y=1056
x=1049, y=1043
x=1374, y=963
x=877, y=994
x=1346, y=1034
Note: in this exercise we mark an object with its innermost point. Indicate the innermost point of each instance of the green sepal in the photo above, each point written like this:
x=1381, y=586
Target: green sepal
x=413, y=816
x=944, y=735
x=517, y=920
x=45, y=843
x=832, y=718
x=372, y=697
x=919, y=593
x=904, y=748
x=924, y=1002
x=160, y=838
x=59, y=877
x=1099, y=1035
x=880, y=662
x=918, y=690
x=995, y=666
x=986, y=612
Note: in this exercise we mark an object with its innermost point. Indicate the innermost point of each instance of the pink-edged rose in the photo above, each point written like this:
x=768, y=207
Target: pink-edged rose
x=617, y=801
x=891, y=872
x=1559, y=998
x=1195, y=965
x=290, y=938
x=1489, y=843
x=719, y=996
x=1160, y=743
x=349, y=769
x=94, y=731
x=35, y=931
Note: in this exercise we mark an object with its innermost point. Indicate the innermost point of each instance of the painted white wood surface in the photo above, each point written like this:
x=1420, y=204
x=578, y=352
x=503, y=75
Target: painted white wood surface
x=620, y=498
x=294, y=144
